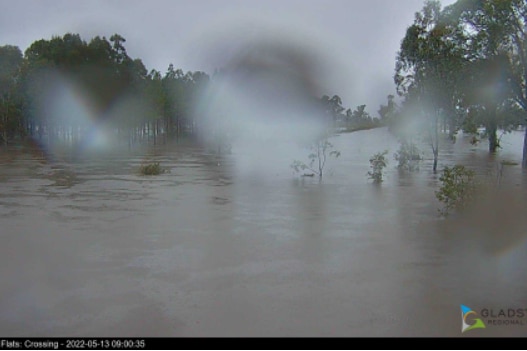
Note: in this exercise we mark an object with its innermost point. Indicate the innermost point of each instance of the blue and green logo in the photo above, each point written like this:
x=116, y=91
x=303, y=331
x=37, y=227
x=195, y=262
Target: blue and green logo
x=475, y=322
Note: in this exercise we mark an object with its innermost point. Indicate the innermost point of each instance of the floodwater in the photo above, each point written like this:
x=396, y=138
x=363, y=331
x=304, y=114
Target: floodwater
x=90, y=248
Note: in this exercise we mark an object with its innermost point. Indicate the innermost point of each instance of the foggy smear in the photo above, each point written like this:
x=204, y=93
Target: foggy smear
x=68, y=116
x=264, y=104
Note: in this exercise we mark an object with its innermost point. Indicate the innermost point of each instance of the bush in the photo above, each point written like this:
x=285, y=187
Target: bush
x=457, y=188
x=320, y=151
x=408, y=157
x=151, y=169
x=377, y=163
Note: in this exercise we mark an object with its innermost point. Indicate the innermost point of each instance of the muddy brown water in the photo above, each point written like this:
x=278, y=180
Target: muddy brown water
x=90, y=248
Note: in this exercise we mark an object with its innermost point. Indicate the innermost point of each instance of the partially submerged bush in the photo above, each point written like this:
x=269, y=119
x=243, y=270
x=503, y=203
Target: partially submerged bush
x=151, y=169
x=408, y=156
x=457, y=188
x=320, y=151
x=377, y=163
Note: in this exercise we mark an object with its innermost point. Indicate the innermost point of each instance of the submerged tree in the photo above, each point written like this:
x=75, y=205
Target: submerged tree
x=408, y=156
x=321, y=150
x=496, y=35
x=457, y=188
x=428, y=69
x=377, y=164
x=488, y=96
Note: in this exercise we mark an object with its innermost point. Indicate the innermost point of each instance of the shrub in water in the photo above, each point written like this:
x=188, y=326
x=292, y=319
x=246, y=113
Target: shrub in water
x=320, y=151
x=151, y=169
x=408, y=156
x=377, y=163
x=457, y=188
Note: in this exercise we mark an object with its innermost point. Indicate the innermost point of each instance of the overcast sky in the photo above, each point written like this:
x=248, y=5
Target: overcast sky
x=357, y=39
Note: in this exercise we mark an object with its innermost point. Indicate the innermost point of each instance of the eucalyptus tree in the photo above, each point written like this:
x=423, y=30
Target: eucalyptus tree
x=498, y=29
x=428, y=70
x=488, y=95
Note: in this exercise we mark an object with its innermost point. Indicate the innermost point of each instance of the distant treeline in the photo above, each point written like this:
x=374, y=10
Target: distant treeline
x=59, y=88
x=98, y=75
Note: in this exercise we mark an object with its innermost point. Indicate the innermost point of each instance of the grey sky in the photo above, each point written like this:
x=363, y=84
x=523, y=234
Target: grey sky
x=358, y=39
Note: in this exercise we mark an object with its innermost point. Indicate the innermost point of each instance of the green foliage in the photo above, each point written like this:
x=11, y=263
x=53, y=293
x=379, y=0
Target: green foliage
x=408, y=156
x=10, y=62
x=151, y=169
x=359, y=119
x=457, y=188
x=348, y=120
x=493, y=80
x=320, y=151
x=102, y=70
x=377, y=163
x=10, y=98
x=465, y=66
x=429, y=70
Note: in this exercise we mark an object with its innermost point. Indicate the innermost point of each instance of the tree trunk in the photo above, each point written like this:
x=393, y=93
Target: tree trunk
x=493, y=137
x=451, y=123
x=155, y=131
x=169, y=127
x=451, y=130
x=435, y=143
x=165, y=134
x=491, y=128
x=177, y=131
x=6, y=120
x=5, y=129
x=524, y=161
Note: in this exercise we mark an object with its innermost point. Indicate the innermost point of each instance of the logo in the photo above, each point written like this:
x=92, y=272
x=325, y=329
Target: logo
x=476, y=322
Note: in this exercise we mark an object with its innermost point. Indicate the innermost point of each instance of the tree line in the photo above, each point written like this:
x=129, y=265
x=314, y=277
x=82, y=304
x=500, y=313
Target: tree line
x=160, y=104
x=462, y=67
x=105, y=73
